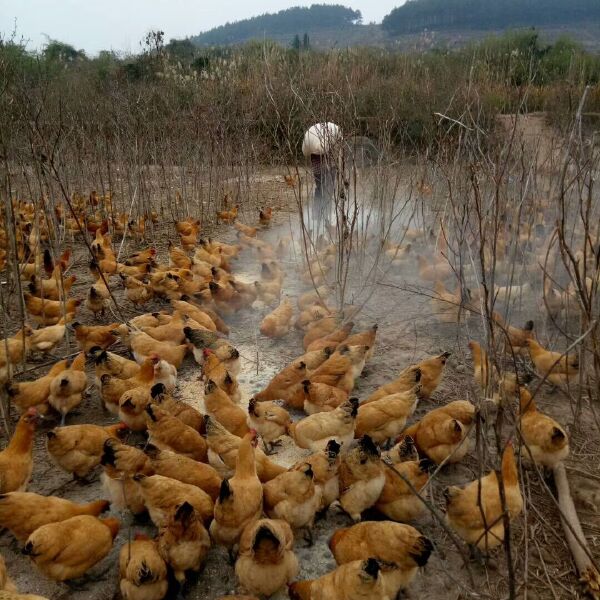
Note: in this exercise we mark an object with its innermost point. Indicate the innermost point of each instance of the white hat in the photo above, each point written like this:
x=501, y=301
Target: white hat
x=321, y=138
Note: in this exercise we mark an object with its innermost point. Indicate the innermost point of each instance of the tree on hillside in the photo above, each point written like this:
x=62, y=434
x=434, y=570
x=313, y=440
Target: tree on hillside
x=417, y=15
x=61, y=52
x=309, y=19
x=183, y=50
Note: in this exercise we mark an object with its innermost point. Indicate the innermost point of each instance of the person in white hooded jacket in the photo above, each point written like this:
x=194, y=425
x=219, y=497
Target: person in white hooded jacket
x=322, y=144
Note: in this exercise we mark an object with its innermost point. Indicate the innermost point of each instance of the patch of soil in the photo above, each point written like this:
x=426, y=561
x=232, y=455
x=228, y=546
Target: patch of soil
x=408, y=331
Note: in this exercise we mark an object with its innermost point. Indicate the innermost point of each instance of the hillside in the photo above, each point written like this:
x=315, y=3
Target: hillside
x=440, y=15
x=284, y=25
x=418, y=24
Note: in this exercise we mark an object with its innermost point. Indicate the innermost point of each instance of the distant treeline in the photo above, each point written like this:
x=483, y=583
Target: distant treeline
x=417, y=15
x=289, y=21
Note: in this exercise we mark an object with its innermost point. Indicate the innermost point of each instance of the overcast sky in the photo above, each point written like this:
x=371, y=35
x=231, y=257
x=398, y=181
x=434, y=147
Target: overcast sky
x=120, y=24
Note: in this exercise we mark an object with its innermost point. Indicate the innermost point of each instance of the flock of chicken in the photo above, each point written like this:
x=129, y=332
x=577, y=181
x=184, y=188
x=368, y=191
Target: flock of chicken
x=203, y=479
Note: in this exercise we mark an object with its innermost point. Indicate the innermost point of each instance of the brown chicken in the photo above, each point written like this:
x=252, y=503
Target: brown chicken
x=286, y=386
x=215, y=370
x=357, y=580
x=66, y=389
x=121, y=464
x=52, y=288
x=184, y=542
x=90, y=337
x=184, y=469
x=342, y=368
x=442, y=434
x=269, y=420
x=294, y=497
x=112, y=388
x=97, y=298
x=141, y=257
x=189, y=237
x=68, y=549
x=13, y=350
x=202, y=340
x=265, y=215
x=325, y=466
x=112, y=364
x=545, y=441
x=515, y=340
x=23, y=512
x=142, y=570
x=46, y=339
x=560, y=370
x=482, y=368
x=223, y=449
x=313, y=297
x=187, y=226
x=240, y=499
x=362, y=478
x=448, y=307
x=228, y=250
x=268, y=291
x=195, y=313
x=212, y=256
x=386, y=418
x=432, y=370
x=136, y=291
x=34, y=394
x=397, y=500
x=311, y=315
x=228, y=216
x=337, y=336
x=266, y=561
x=150, y=319
x=246, y=229
x=142, y=345
x=8, y=589
x=169, y=433
x=291, y=180
x=220, y=406
x=131, y=273
x=277, y=323
x=228, y=355
x=321, y=397
x=434, y=269
x=475, y=512
x=162, y=496
x=129, y=460
x=16, y=460
x=49, y=312
x=78, y=448
x=171, y=332
x=315, y=431
x=177, y=408
x=132, y=407
x=399, y=548
x=165, y=374
x=165, y=284
x=406, y=381
x=364, y=338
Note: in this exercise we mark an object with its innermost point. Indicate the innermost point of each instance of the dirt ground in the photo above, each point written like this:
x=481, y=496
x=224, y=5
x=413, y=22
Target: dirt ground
x=407, y=332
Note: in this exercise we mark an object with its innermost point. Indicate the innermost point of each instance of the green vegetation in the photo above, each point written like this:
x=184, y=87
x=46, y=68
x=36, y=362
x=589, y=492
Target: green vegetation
x=291, y=21
x=455, y=20
x=417, y=15
x=179, y=101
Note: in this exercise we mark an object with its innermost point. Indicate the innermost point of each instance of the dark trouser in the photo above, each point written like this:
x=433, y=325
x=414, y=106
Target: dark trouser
x=325, y=173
